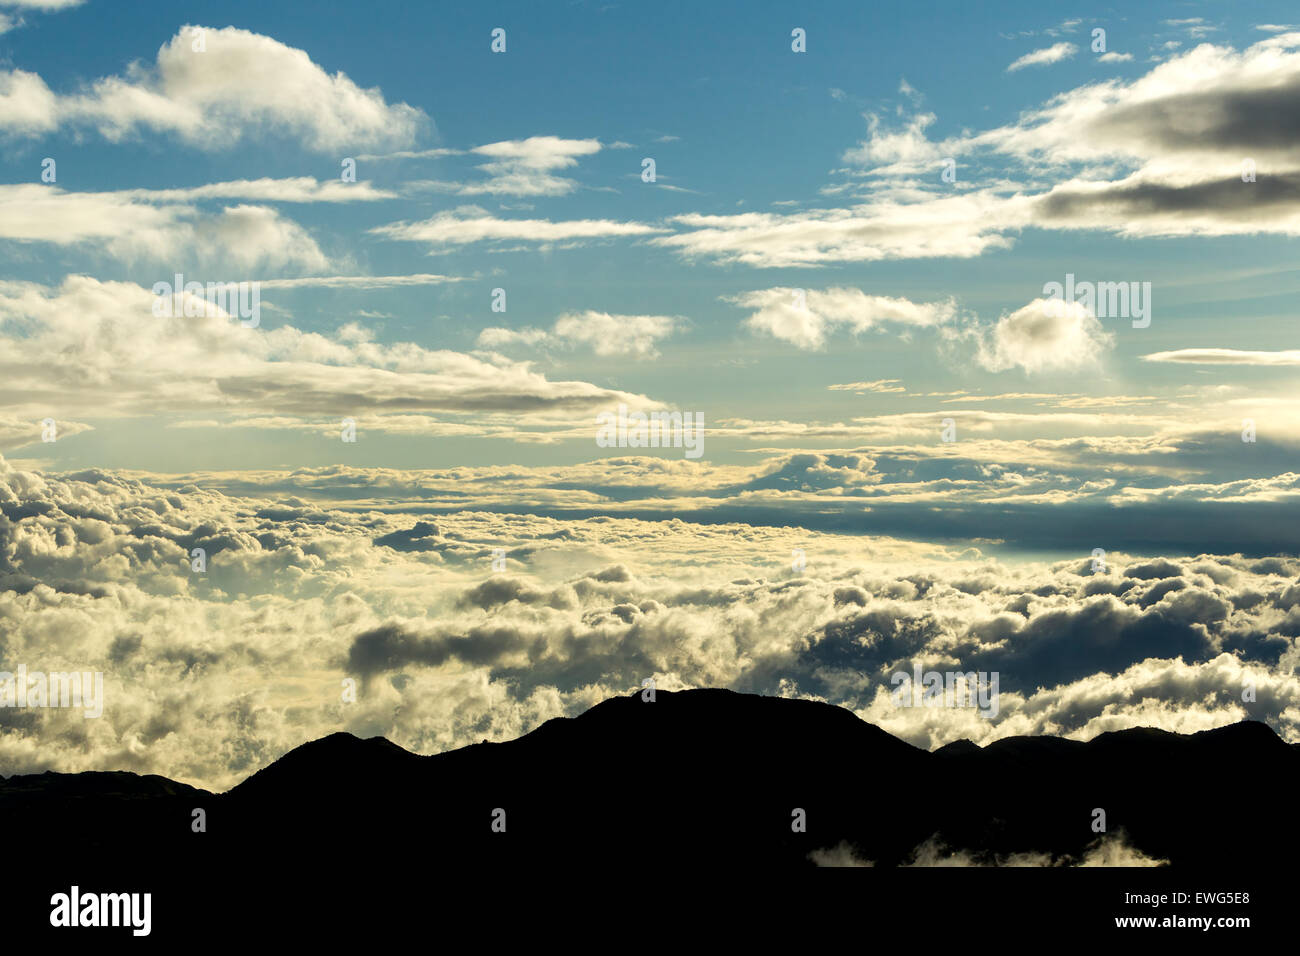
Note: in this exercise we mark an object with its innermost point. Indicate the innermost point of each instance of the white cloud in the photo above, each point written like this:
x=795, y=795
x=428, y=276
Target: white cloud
x=1052, y=54
x=1157, y=156
x=297, y=189
x=124, y=227
x=805, y=317
x=525, y=167
x=129, y=362
x=434, y=153
x=1226, y=357
x=241, y=84
x=254, y=235
x=608, y=335
x=27, y=107
x=495, y=337
x=8, y=22
x=521, y=167
x=1044, y=336
x=45, y=5
x=1196, y=27
x=208, y=678
x=958, y=226
x=887, y=147
x=886, y=385
x=359, y=282
x=470, y=224
x=17, y=433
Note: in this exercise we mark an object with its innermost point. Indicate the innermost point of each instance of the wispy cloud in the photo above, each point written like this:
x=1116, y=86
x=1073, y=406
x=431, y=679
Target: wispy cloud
x=1048, y=55
x=471, y=224
x=885, y=385
x=605, y=334
x=524, y=167
x=1225, y=357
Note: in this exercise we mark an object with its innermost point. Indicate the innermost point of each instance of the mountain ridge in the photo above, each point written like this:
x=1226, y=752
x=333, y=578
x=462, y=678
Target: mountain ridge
x=722, y=775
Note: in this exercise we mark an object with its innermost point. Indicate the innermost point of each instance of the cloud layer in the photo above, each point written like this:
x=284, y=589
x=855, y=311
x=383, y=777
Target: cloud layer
x=210, y=676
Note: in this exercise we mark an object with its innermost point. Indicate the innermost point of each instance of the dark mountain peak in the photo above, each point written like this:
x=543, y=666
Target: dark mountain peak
x=731, y=710
x=1132, y=736
x=339, y=761
x=1254, y=732
x=717, y=724
x=958, y=748
x=1033, y=748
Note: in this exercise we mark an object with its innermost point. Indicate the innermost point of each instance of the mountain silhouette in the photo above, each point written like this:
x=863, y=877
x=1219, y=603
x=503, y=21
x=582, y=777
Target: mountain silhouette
x=701, y=778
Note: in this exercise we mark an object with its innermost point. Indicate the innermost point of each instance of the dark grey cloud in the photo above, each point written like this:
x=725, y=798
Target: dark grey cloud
x=393, y=647
x=1229, y=199
x=1245, y=121
x=422, y=536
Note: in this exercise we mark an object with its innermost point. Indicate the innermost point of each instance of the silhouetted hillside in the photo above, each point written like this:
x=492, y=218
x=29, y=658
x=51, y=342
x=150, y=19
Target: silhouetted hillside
x=706, y=778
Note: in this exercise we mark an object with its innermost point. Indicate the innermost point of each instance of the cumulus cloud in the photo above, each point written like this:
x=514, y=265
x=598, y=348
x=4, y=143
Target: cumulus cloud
x=1047, y=335
x=239, y=85
x=888, y=147
x=26, y=103
x=805, y=318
